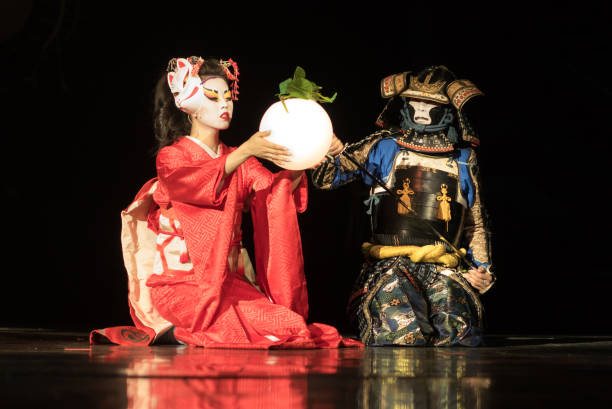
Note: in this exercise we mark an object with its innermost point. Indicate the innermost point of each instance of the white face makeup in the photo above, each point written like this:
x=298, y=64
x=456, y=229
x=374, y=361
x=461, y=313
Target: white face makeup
x=217, y=108
x=421, y=111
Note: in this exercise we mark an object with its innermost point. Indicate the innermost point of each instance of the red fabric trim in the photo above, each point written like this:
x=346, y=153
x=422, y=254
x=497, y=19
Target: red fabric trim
x=423, y=149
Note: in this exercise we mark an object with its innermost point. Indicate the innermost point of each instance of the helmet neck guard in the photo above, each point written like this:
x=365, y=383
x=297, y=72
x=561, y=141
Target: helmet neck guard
x=426, y=142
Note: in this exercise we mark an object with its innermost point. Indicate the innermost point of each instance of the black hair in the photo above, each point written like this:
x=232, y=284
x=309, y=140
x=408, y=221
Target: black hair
x=169, y=122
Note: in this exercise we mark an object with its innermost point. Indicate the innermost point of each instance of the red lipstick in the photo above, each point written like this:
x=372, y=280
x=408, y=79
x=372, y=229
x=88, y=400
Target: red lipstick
x=225, y=116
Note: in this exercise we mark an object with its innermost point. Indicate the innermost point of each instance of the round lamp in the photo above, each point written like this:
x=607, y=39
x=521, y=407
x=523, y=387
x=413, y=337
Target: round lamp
x=304, y=128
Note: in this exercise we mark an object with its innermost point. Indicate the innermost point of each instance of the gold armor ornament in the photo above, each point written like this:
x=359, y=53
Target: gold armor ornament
x=444, y=211
x=406, y=192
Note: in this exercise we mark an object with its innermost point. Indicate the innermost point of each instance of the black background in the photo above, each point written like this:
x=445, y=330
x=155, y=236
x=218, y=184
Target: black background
x=77, y=144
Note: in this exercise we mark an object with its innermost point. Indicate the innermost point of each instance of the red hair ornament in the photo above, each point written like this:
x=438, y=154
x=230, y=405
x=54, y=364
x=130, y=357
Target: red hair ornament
x=232, y=76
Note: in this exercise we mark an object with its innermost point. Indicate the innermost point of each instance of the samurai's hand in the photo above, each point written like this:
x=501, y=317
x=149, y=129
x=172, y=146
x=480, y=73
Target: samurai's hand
x=336, y=146
x=479, y=278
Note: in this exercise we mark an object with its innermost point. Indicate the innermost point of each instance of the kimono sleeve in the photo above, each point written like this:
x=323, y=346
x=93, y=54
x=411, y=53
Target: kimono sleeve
x=278, y=247
x=259, y=179
x=192, y=181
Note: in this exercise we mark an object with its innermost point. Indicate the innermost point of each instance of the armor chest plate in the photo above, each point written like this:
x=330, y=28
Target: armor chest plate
x=430, y=187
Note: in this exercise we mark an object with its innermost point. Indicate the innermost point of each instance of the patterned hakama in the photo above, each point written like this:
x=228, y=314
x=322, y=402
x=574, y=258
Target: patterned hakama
x=397, y=301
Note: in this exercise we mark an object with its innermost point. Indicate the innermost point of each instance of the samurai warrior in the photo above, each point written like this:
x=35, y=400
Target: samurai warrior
x=429, y=257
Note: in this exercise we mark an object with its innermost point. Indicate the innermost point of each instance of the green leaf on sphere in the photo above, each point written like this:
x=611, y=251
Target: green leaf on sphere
x=300, y=87
x=299, y=73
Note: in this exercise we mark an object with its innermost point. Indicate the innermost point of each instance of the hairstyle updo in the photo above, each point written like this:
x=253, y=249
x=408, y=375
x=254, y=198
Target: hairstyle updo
x=169, y=122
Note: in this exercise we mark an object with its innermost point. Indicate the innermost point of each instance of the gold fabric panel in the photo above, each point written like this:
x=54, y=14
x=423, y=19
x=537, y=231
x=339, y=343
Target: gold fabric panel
x=432, y=253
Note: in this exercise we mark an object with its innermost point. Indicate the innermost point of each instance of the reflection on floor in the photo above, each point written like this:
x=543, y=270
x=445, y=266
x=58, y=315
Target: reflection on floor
x=41, y=368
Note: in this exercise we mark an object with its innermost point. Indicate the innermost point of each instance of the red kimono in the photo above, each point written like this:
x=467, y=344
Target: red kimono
x=211, y=303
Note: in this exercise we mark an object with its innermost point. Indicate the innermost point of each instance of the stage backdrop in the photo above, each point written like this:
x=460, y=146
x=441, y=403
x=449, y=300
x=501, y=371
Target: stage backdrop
x=77, y=88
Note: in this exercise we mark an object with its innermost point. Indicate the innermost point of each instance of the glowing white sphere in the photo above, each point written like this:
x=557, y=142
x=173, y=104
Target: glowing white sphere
x=305, y=130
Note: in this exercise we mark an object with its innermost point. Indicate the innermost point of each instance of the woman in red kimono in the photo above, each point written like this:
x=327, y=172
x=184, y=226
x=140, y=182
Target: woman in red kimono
x=189, y=277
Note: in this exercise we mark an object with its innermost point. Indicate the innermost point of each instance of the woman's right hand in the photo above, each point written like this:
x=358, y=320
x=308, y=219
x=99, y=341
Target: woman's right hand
x=257, y=145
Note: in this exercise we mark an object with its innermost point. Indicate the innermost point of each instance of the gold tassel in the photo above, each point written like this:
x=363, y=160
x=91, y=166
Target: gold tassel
x=406, y=192
x=444, y=211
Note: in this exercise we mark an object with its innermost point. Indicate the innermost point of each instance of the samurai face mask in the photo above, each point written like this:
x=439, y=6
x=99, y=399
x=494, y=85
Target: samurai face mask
x=424, y=112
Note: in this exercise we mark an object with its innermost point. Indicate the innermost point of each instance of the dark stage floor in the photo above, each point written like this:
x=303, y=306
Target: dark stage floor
x=42, y=368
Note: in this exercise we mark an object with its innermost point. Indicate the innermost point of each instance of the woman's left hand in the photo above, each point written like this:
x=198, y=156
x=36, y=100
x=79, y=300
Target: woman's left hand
x=479, y=278
x=334, y=149
x=336, y=146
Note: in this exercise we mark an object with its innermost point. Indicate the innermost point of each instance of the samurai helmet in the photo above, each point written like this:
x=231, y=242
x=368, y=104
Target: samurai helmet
x=436, y=83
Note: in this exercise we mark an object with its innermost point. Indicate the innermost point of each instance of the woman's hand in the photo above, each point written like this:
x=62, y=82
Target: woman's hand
x=479, y=278
x=336, y=146
x=258, y=146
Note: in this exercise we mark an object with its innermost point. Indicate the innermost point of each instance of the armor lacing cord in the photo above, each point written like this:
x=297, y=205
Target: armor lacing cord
x=370, y=202
x=431, y=253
